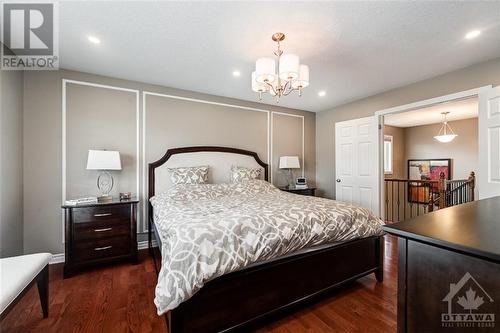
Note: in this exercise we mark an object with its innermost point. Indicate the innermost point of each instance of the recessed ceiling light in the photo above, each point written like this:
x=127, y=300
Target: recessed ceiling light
x=473, y=34
x=236, y=73
x=94, y=39
x=322, y=93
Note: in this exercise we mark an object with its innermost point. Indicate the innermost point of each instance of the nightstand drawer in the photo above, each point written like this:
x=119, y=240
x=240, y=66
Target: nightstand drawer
x=99, y=233
x=101, y=229
x=101, y=213
x=101, y=248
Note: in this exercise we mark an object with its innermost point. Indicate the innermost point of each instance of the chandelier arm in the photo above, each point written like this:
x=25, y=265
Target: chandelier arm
x=279, y=88
x=271, y=87
x=287, y=88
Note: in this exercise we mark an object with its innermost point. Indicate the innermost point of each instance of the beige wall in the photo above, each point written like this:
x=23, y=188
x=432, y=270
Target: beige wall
x=398, y=151
x=11, y=161
x=486, y=73
x=285, y=144
x=100, y=117
x=420, y=144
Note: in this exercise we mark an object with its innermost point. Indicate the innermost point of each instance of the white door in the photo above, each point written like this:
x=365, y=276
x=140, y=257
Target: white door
x=488, y=174
x=356, y=162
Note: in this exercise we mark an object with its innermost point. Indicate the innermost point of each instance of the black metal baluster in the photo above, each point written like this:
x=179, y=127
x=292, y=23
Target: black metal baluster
x=386, y=201
x=393, y=203
x=398, y=202
x=405, y=196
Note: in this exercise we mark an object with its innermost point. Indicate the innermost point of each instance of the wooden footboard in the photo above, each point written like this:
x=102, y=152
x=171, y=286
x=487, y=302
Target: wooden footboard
x=237, y=299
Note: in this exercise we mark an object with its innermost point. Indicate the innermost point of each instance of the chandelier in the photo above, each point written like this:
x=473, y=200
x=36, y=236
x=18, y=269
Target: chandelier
x=289, y=76
x=445, y=134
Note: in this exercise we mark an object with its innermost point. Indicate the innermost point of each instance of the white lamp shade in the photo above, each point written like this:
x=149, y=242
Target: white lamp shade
x=257, y=86
x=289, y=66
x=303, y=80
x=265, y=70
x=104, y=160
x=289, y=162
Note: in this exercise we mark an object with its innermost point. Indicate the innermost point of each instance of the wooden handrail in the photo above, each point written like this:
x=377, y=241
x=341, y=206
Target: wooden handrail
x=442, y=193
x=411, y=180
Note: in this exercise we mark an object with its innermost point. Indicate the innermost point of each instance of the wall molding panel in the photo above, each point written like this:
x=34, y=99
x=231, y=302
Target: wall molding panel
x=141, y=117
x=65, y=82
x=144, y=131
x=303, y=161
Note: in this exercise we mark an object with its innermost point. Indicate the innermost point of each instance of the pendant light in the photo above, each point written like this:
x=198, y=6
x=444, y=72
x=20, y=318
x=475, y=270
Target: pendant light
x=445, y=134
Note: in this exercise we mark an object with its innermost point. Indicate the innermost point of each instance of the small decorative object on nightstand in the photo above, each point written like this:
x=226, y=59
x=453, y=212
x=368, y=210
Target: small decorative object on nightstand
x=310, y=191
x=104, y=160
x=99, y=233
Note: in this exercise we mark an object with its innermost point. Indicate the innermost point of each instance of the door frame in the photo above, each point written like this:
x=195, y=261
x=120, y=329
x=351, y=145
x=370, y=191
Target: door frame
x=409, y=107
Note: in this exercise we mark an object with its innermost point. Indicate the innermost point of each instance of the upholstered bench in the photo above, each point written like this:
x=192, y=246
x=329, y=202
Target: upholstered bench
x=18, y=274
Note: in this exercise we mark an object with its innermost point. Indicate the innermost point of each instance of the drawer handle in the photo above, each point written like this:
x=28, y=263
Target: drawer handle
x=103, y=229
x=103, y=214
x=102, y=248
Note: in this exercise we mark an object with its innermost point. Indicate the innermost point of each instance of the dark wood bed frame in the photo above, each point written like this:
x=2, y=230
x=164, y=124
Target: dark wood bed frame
x=237, y=300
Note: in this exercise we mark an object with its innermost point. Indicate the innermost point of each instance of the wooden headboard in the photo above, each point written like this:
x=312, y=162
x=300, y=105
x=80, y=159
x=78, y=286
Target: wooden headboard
x=228, y=156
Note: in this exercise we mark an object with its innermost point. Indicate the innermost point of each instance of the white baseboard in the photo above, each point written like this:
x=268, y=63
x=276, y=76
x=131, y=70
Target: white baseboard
x=58, y=258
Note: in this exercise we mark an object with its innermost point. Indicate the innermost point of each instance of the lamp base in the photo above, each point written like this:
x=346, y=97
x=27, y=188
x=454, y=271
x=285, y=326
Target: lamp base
x=104, y=198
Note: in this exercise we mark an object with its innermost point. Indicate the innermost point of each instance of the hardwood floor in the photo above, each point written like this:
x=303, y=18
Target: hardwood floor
x=119, y=298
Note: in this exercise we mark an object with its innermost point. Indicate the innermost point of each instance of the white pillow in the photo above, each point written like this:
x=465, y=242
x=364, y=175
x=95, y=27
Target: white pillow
x=189, y=175
x=240, y=174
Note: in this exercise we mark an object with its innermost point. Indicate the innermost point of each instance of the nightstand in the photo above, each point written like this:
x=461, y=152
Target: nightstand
x=99, y=233
x=310, y=191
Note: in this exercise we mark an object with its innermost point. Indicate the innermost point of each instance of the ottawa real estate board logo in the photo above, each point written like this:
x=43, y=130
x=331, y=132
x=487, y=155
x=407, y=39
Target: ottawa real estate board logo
x=468, y=305
x=29, y=35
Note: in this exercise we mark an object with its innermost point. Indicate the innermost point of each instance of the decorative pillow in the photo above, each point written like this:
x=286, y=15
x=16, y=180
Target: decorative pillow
x=189, y=175
x=240, y=174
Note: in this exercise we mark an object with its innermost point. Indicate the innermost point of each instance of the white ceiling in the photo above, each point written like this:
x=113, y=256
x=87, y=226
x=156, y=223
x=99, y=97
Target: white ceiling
x=354, y=49
x=463, y=109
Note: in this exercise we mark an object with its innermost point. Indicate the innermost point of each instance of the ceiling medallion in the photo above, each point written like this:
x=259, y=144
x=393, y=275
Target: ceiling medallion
x=289, y=76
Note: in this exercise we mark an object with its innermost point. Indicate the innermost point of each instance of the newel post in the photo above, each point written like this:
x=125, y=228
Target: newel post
x=472, y=184
x=442, y=190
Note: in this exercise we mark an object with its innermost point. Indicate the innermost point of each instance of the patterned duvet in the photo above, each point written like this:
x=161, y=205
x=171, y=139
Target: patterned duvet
x=210, y=230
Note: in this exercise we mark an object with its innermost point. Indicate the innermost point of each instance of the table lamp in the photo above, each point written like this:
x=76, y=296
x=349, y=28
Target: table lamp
x=104, y=160
x=289, y=163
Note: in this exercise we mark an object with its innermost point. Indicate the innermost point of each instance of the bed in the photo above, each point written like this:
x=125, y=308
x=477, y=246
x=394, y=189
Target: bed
x=260, y=276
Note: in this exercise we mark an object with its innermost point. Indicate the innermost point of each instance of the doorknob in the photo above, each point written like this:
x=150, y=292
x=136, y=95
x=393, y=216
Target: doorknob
x=338, y=180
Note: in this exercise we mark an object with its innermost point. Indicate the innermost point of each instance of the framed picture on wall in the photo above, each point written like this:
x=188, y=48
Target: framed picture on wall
x=426, y=169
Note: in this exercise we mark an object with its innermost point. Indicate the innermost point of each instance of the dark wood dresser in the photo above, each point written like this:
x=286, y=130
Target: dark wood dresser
x=449, y=269
x=310, y=191
x=99, y=233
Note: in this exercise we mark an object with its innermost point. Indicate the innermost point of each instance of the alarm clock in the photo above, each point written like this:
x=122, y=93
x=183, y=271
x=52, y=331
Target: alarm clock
x=300, y=183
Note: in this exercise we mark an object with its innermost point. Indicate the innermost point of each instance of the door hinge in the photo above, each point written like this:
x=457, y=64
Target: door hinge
x=379, y=126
